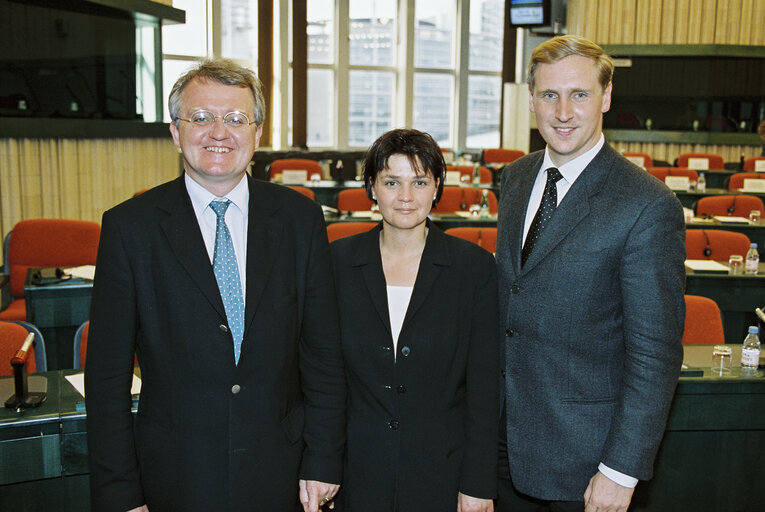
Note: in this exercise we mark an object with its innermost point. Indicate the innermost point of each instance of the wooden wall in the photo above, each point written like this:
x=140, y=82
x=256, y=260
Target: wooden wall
x=78, y=179
x=737, y=22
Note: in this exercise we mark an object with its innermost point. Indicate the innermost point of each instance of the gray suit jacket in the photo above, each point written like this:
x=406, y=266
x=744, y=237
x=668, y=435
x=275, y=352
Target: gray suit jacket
x=592, y=324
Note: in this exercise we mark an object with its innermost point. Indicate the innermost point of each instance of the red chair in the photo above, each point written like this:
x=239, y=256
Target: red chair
x=483, y=237
x=714, y=161
x=467, y=170
x=455, y=199
x=714, y=244
x=305, y=191
x=751, y=163
x=46, y=243
x=12, y=337
x=703, y=322
x=736, y=181
x=311, y=167
x=729, y=205
x=647, y=160
x=80, y=348
x=354, y=200
x=342, y=229
x=500, y=156
x=662, y=172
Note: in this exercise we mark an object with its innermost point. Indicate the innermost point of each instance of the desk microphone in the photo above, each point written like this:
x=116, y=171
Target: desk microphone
x=732, y=207
x=708, y=248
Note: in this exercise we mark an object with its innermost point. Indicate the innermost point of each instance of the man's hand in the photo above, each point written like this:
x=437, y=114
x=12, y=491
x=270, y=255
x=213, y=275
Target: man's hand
x=605, y=495
x=467, y=503
x=315, y=494
x=142, y=508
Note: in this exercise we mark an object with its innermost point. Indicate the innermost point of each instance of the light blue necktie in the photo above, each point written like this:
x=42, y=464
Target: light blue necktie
x=227, y=274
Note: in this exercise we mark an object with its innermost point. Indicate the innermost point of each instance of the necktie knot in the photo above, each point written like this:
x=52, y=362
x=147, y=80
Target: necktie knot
x=553, y=175
x=219, y=207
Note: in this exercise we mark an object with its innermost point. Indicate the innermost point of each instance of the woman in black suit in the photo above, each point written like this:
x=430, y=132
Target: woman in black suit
x=420, y=339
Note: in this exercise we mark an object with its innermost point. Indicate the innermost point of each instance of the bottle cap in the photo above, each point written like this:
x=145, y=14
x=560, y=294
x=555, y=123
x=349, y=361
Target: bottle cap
x=753, y=329
x=753, y=245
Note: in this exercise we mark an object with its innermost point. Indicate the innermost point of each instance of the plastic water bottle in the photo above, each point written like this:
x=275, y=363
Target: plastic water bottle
x=476, y=175
x=485, y=204
x=750, y=351
x=701, y=183
x=752, y=260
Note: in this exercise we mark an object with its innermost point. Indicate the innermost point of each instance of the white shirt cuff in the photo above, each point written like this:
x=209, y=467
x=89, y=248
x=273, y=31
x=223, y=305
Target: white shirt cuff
x=616, y=476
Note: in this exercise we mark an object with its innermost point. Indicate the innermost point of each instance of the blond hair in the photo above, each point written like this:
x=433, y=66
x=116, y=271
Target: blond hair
x=560, y=47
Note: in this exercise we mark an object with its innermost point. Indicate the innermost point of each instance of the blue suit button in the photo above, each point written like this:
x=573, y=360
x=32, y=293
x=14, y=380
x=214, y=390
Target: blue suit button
x=515, y=289
x=393, y=425
x=405, y=351
x=509, y=333
x=401, y=389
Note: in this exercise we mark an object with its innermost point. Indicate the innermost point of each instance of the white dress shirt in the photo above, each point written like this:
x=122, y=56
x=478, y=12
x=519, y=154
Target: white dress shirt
x=570, y=171
x=398, y=303
x=236, y=220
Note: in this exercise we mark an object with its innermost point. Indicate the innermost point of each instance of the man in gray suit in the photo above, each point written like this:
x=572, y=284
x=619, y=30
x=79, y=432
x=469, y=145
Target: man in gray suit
x=590, y=264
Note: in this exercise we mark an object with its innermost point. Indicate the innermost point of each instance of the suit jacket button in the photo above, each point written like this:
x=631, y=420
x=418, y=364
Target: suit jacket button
x=405, y=351
x=393, y=425
x=401, y=389
x=509, y=333
x=515, y=289
x=503, y=372
x=236, y=388
x=223, y=327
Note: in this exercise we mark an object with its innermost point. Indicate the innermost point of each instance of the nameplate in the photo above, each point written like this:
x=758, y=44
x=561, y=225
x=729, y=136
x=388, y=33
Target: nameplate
x=759, y=165
x=754, y=185
x=448, y=157
x=678, y=182
x=452, y=178
x=698, y=164
x=294, y=176
x=637, y=160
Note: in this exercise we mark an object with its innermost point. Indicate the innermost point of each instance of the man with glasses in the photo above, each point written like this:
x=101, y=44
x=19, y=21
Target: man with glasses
x=222, y=287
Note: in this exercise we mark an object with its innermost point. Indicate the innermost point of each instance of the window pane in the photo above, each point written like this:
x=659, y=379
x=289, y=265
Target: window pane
x=238, y=29
x=433, y=33
x=189, y=38
x=484, y=94
x=321, y=107
x=370, y=106
x=486, y=30
x=320, y=29
x=372, y=32
x=171, y=71
x=433, y=106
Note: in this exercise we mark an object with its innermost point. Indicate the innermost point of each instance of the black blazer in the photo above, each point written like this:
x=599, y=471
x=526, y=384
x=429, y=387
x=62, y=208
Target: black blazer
x=211, y=435
x=424, y=427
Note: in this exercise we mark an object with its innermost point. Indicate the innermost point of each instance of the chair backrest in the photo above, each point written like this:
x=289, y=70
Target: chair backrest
x=467, y=170
x=342, y=229
x=483, y=237
x=305, y=191
x=714, y=244
x=662, y=172
x=456, y=199
x=647, y=160
x=353, y=200
x=751, y=163
x=736, y=181
x=714, y=161
x=12, y=336
x=311, y=167
x=729, y=205
x=501, y=155
x=703, y=321
x=80, y=347
x=49, y=243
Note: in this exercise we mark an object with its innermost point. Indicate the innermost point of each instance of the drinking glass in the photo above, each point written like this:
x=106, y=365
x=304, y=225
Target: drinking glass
x=736, y=264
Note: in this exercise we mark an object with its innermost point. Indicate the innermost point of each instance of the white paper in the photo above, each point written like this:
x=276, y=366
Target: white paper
x=759, y=165
x=452, y=178
x=732, y=220
x=294, y=176
x=77, y=380
x=637, y=160
x=698, y=164
x=82, y=272
x=677, y=182
x=706, y=265
x=754, y=185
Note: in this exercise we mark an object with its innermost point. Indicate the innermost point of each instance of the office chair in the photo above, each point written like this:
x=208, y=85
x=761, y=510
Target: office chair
x=80, y=347
x=467, y=170
x=305, y=191
x=729, y=205
x=736, y=181
x=647, y=160
x=662, y=172
x=703, y=321
x=354, y=200
x=714, y=244
x=714, y=161
x=311, y=167
x=483, y=237
x=500, y=156
x=342, y=229
x=45, y=243
x=12, y=337
x=455, y=199
x=751, y=163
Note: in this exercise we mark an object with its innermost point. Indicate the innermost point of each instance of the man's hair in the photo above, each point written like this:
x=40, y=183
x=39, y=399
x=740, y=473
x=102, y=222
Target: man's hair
x=223, y=71
x=421, y=150
x=560, y=47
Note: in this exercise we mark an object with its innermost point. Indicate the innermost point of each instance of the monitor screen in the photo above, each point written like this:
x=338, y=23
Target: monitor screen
x=529, y=13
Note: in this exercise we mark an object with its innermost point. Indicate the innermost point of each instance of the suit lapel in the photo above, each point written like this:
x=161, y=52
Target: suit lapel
x=368, y=258
x=185, y=238
x=514, y=217
x=434, y=256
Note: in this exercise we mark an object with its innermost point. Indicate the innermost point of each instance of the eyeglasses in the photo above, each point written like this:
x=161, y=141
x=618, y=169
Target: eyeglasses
x=205, y=118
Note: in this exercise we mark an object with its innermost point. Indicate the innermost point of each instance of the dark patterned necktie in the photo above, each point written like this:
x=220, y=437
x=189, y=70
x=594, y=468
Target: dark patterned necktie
x=545, y=211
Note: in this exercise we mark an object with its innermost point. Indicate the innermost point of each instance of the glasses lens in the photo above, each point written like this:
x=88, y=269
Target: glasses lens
x=236, y=120
x=202, y=118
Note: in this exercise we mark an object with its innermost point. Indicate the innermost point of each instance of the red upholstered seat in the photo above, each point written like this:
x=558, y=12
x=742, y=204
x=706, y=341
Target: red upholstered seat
x=342, y=229
x=736, y=181
x=353, y=200
x=454, y=198
x=703, y=322
x=501, y=156
x=715, y=161
x=721, y=205
x=647, y=160
x=751, y=163
x=662, y=172
x=467, y=170
x=311, y=167
x=483, y=237
x=305, y=191
x=714, y=244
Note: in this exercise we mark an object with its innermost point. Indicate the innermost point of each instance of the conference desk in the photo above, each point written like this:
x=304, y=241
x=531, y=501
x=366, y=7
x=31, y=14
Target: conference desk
x=754, y=231
x=715, y=433
x=688, y=198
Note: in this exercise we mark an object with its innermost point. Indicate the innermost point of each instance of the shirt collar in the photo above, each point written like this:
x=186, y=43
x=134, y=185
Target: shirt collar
x=571, y=170
x=201, y=197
